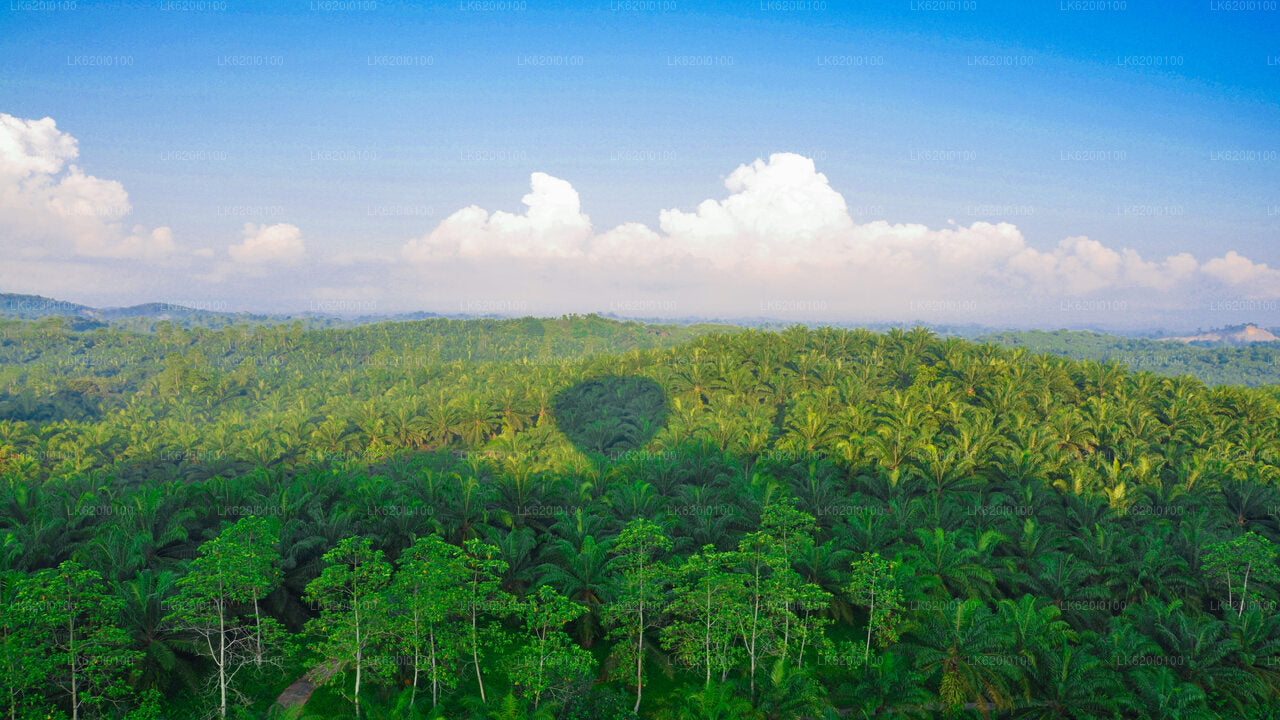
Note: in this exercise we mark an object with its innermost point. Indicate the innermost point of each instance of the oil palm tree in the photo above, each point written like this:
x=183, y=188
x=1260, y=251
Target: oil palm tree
x=964, y=650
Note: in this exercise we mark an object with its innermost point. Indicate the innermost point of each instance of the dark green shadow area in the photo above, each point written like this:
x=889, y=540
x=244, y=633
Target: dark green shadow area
x=611, y=415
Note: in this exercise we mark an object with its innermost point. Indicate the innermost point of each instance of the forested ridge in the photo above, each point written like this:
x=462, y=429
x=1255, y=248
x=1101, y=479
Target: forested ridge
x=580, y=518
x=1221, y=364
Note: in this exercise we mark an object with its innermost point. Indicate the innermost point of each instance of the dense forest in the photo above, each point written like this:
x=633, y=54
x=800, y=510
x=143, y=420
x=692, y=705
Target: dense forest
x=587, y=519
x=1250, y=365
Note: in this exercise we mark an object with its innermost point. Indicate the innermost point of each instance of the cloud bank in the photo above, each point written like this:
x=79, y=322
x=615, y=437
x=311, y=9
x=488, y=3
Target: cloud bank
x=63, y=230
x=780, y=243
x=52, y=208
x=279, y=243
x=781, y=222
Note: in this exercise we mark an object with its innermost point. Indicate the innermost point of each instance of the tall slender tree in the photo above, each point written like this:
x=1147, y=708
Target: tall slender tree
x=701, y=631
x=353, y=613
x=875, y=587
x=483, y=602
x=549, y=664
x=639, y=598
x=76, y=620
x=208, y=608
x=426, y=594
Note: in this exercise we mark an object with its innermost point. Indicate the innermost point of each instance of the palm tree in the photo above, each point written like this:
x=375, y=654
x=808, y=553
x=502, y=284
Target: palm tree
x=965, y=649
x=888, y=684
x=165, y=663
x=1035, y=629
x=1069, y=683
x=579, y=572
x=719, y=701
x=957, y=562
x=1204, y=647
x=516, y=549
x=947, y=471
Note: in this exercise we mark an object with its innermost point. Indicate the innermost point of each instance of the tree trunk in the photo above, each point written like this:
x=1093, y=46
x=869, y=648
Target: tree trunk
x=222, y=663
x=706, y=638
x=786, y=631
x=71, y=646
x=866, y=655
x=1244, y=589
x=435, y=674
x=359, y=657
x=542, y=662
x=413, y=696
x=640, y=654
x=257, y=629
x=804, y=640
x=755, y=624
x=475, y=654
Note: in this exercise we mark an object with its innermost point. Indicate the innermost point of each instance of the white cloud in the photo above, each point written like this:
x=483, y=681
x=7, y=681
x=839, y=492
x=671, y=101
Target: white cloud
x=779, y=211
x=269, y=244
x=552, y=227
x=50, y=208
x=1235, y=270
x=359, y=257
x=782, y=222
x=1158, y=276
x=33, y=147
x=779, y=237
x=632, y=243
x=65, y=232
x=140, y=244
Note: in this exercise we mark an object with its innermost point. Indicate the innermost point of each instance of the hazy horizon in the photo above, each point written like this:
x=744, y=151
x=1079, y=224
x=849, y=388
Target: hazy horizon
x=952, y=163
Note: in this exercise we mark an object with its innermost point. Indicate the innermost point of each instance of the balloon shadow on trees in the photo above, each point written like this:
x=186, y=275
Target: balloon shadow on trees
x=612, y=415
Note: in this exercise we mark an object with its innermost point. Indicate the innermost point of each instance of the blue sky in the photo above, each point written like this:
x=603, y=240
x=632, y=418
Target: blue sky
x=365, y=125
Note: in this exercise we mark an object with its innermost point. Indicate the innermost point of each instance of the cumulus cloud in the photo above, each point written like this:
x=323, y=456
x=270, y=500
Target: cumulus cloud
x=1079, y=266
x=781, y=219
x=141, y=244
x=33, y=147
x=778, y=238
x=1235, y=270
x=269, y=244
x=49, y=207
x=552, y=226
x=779, y=211
x=64, y=231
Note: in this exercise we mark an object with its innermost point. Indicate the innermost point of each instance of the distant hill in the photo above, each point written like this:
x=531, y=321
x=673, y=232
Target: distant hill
x=32, y=307
x=36, y=307
x=1240, y=355
x=1251, y=364
x=144, y=317
x=1234, y=335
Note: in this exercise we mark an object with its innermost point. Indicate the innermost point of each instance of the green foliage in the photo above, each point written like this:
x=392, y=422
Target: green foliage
x=1247, y=558
x=353, y=613
x=1252, y=365
x=427, y=590
x=217, y=601
x=611, y=415
x=704, y=598
x=24, y=662
x=1042, y=538
x=550, y=666
x=74, y=619
x=639, y=595
x=875, y=587
x=484, y=602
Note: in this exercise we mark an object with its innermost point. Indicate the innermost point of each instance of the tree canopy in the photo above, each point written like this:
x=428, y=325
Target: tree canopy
x=578, y=518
